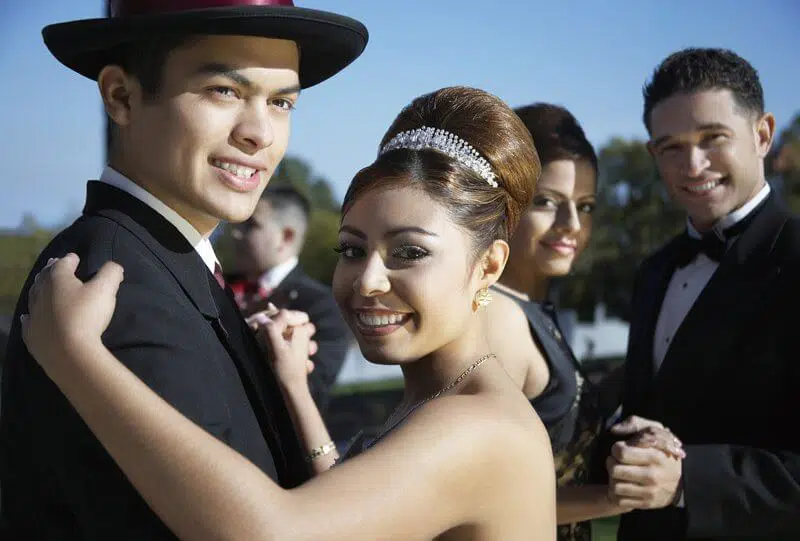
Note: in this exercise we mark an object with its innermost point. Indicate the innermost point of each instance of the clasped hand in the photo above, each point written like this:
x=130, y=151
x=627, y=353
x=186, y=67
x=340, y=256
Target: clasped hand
x=285, y=336
x=644, y=469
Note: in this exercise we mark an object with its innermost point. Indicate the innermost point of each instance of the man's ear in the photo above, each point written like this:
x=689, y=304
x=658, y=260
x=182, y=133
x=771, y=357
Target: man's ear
x=118, y=91
x=765, y=133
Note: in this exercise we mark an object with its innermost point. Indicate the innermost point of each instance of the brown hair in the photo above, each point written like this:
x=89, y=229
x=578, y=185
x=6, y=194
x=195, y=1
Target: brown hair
x=493, y=130
x=557, y=133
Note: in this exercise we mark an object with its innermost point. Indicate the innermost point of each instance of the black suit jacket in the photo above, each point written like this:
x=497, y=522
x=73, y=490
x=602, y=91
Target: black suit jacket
x=182, y=335
x=298, y=291
x=729, y=388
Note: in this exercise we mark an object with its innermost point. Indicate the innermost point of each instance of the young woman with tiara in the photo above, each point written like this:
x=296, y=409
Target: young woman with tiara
x=424, y=234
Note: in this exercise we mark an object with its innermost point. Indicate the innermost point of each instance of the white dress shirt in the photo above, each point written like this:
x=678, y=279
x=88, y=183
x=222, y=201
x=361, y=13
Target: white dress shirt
x=200, y=243
x=688, y=282
x=274, y=276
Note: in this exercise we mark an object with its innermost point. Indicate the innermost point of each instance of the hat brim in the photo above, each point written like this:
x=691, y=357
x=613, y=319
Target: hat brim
x=328, y=42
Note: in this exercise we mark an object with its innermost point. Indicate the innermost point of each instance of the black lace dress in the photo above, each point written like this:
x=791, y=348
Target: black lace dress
x=568, y=406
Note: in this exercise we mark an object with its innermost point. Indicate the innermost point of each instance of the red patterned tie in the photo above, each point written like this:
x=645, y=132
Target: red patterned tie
x=218, y=275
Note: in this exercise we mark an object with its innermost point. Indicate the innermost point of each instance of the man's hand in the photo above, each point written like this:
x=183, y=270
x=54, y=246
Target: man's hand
x=642, y=477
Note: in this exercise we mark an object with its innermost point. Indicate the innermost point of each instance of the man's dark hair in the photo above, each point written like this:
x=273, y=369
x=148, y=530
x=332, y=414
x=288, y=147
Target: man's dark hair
x=284, y=197
x=145, y=60
x=694, y=70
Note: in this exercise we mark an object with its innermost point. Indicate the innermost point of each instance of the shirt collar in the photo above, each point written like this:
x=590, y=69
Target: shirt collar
x=734, y=217
x=274, y=276
x=201, y=244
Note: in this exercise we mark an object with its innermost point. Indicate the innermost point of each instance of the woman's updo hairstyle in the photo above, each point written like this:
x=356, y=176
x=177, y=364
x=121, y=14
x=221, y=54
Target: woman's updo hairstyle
x=493, y=130
x=557, y=133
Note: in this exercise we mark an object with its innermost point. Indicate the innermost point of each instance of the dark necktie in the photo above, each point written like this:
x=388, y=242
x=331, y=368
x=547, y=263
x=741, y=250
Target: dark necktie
x=219, y=276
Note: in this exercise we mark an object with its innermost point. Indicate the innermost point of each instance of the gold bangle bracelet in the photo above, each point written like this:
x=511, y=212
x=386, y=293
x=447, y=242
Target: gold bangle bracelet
x=322, y=450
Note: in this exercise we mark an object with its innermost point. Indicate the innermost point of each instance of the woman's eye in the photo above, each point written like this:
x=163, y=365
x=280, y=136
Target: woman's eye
x=410, y=253
x=544, y=202
x=348, y=251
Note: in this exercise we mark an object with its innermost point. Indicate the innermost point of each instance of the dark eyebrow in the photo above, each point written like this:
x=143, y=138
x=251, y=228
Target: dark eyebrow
x=294, y=89
x=215, y=68
x=353, y=231
x=390, y=233
x=410, y=229
x=703, y=127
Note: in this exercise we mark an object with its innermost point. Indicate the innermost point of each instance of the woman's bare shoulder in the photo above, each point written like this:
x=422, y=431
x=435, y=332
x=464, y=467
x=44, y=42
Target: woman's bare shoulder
x=484, y=427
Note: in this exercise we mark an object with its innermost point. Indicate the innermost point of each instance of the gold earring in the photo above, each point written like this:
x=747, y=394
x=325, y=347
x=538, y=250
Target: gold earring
x=483, y=297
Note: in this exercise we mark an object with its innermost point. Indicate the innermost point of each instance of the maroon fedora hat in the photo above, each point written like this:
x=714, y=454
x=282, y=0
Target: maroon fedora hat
x=328, y=42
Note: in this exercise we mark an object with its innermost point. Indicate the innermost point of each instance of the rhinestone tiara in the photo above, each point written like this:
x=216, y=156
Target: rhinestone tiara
x=427, y=138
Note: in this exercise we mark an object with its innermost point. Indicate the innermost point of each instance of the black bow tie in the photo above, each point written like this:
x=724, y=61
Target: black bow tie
x=710, y=244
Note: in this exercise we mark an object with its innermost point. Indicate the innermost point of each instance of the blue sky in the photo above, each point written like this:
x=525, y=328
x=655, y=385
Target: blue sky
x=590, y=56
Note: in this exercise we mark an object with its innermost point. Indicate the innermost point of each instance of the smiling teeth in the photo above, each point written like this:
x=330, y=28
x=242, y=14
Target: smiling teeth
x=238, y=170
x=710, y=185
x=379, y=321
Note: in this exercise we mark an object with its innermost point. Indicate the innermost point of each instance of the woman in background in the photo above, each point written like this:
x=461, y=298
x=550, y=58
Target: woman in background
x=553, y=232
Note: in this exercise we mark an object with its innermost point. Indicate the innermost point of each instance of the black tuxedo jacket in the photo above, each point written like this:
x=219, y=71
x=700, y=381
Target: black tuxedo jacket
x=729, y=388
x=182, y=335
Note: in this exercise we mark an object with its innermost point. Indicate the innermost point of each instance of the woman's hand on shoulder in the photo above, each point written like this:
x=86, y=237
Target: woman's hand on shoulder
x=66, y=315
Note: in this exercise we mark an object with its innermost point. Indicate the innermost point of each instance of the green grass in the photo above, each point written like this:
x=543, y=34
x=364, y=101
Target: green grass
x=605, y=529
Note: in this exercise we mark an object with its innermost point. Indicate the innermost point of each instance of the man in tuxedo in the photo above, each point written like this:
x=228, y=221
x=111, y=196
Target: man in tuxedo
x=713, y=352
x=267, y=248
x=200, y=96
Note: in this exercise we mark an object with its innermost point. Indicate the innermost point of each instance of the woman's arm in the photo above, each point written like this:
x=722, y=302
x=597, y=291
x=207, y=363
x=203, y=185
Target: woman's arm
x=414, y=485
x=310, y=426
x=585, y=502
x=417, y=483
x=289, y=359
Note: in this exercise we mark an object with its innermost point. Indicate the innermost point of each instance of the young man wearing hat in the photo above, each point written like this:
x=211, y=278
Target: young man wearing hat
x=199, y=93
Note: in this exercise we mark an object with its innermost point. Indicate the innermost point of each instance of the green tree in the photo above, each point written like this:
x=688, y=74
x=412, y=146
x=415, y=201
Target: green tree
x=20, y=250
x=783, y=163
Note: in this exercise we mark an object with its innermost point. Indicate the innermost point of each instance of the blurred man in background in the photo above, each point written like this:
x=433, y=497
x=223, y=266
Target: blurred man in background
x=267, y=248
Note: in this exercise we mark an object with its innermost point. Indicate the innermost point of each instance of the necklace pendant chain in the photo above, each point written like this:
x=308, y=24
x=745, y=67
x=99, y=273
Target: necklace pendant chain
x=395, y=418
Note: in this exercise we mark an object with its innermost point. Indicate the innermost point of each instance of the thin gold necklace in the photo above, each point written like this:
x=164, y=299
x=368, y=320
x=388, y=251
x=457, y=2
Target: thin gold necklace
x=395, y=418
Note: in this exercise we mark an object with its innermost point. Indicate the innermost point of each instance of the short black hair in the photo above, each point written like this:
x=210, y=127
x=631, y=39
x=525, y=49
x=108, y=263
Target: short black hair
x=145, y=60
x=557, y=134
x=286, y=197
x=695, y=69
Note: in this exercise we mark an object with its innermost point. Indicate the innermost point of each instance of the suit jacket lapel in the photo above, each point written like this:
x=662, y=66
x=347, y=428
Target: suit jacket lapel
x=287, y=291
x=160, y=237
x=649, y=298
x=262, y=388
x=191, y=273
x=704, y=340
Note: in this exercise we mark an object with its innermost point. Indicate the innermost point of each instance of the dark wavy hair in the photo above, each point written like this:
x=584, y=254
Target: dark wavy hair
x=557, y=134
x=693, y=70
